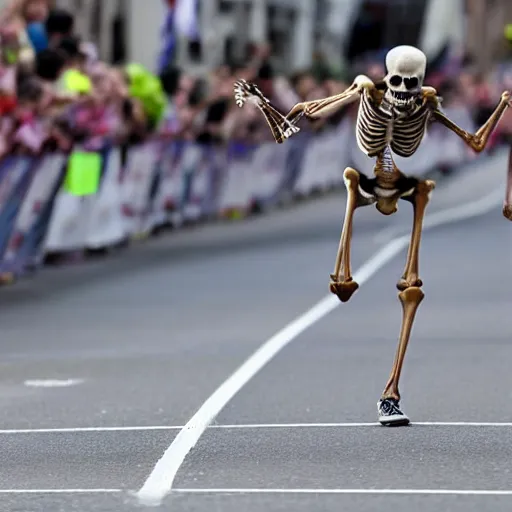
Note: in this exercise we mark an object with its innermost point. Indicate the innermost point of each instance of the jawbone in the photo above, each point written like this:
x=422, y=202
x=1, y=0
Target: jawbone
x=401, y=100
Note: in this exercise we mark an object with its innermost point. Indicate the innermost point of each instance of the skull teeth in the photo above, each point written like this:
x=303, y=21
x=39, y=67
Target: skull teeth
x=402, y=95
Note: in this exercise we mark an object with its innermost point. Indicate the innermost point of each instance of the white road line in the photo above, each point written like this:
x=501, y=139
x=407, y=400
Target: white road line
x=454, y=492
x=250, y=426
x=73, y=430
x=450, y=215
x=60, y=491
x=52, y=383
x=159, y=482
x=360, y=425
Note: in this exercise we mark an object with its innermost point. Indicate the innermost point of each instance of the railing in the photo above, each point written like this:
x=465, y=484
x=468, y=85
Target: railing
x=60, y=203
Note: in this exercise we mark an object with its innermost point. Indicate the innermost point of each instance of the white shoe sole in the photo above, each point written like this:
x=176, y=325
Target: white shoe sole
x=397, y=420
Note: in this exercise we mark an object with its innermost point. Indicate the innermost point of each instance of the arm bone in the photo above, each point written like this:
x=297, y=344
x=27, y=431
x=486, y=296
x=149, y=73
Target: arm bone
x=479, y=140
x=317, y=109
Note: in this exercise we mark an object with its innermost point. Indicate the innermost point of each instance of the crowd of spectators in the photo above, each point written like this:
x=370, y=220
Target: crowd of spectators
x=54, y=91
x=202, y=108
x=459, y=84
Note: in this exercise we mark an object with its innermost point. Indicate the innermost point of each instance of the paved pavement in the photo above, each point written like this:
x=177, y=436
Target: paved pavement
x=148, y=335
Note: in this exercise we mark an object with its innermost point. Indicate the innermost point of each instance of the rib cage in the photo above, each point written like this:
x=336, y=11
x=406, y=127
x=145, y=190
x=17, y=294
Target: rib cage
x=377, y=128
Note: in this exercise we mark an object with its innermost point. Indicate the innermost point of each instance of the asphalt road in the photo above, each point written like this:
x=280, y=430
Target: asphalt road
x=146, y=336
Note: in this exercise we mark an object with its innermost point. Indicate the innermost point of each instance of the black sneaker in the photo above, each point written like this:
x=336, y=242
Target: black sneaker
x=390, y=414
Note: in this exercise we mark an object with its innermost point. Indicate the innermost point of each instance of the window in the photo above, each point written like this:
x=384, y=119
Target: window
x=382, y=24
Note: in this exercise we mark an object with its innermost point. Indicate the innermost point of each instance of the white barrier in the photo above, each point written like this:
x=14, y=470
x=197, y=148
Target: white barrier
x=105, y=224
x=165, y=182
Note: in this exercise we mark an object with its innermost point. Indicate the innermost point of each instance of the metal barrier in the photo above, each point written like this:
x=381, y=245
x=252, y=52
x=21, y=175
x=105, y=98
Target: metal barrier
x=60, y=203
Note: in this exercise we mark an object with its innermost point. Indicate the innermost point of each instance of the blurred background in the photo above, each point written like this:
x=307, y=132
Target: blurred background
x=101, y=84
x=295, y=48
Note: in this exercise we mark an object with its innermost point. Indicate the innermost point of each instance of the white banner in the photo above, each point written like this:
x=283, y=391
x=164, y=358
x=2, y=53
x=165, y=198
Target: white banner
x=195, y=168
x=105, y=227
x=268, y=165
x=69, y=222
x=45, y=179
x=323, y=164
x=238, y=181
x=168, y=183
x=135, y=186
x=169, y=194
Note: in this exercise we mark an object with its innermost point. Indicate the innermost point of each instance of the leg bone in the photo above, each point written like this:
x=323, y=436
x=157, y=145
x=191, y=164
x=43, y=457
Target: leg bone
x=419, y=199
x=410, y=297
x=341, y=283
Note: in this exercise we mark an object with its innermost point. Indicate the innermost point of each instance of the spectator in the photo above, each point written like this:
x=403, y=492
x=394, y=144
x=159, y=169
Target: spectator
x=148, y=89
x=35, y=12
x=45, y=68
x=59, y=24
x=74, y=79
x=8, y=71
x=29, y=130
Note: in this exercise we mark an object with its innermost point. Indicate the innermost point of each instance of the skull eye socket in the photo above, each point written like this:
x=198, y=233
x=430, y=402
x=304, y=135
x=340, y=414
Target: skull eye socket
x=411, y=83
x=395, y=80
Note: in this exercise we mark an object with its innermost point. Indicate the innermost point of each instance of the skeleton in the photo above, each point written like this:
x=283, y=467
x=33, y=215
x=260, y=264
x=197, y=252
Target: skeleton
x=392, y=117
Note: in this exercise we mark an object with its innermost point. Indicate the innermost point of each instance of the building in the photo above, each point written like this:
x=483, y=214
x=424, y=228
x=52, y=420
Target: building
x=225, y=26
x=485, y=30
x=228, y=25
x=340, y=29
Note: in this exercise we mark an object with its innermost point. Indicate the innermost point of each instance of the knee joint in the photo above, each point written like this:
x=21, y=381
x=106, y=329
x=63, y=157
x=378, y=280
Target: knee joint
x=403, y=284
x=343, y=290
x=411, y=296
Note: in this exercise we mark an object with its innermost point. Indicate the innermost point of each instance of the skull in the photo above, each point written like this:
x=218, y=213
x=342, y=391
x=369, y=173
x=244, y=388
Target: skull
x=406, y=66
